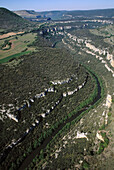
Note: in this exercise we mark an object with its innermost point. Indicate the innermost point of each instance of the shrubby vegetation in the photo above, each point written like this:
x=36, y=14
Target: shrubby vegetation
x=104, y=144
x=6, y=45
x=45, y=153
x=59, y=115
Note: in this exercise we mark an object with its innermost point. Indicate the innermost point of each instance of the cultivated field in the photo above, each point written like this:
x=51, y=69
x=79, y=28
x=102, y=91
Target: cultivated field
x=19, y=44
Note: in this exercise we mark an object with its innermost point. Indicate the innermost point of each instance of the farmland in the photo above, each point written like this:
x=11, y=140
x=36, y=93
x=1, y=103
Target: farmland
x=19, y=43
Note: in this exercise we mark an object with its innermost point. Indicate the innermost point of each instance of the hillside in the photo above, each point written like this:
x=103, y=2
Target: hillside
x=12, y=22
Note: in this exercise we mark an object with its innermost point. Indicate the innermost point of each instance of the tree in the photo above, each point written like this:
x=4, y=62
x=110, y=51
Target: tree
x=35, y=144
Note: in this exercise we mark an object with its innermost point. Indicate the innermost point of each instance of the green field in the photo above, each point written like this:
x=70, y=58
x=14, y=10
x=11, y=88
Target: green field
x=19, y=46
x=4, y=60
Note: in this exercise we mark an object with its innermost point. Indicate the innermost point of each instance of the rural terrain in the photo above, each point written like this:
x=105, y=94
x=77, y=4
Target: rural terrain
x=57, y=82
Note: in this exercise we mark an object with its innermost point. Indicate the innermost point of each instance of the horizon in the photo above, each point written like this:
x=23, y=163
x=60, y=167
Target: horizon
x=60, y=5
x=62, y=10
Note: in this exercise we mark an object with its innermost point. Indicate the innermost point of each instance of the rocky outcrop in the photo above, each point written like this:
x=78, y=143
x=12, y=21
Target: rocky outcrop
x=99, y=136
x=81, y=135
x=108, y=101
x=91, y=49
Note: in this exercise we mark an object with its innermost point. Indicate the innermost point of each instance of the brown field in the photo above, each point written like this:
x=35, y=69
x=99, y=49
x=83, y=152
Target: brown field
x=10, y=34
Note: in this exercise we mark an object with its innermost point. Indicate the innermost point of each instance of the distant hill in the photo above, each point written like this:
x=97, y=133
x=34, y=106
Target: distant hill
x=27, y=13
x=56, y=15
x=32, y=15
x=108, y=13
x=11, y=21
x=93, y=13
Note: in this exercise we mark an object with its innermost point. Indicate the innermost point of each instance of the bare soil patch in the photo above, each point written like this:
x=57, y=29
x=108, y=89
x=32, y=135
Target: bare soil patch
x=10, y=34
